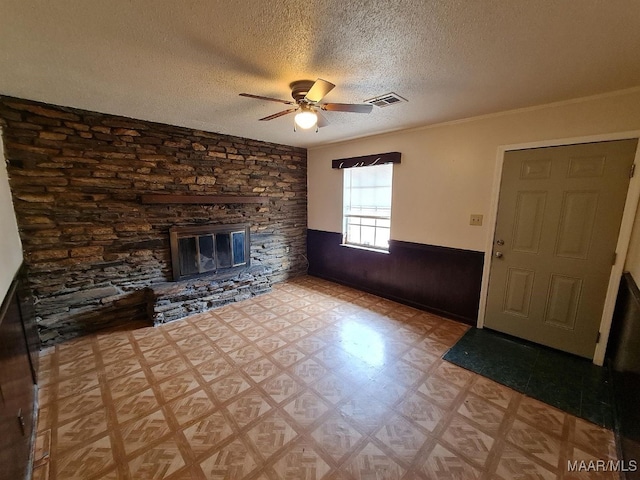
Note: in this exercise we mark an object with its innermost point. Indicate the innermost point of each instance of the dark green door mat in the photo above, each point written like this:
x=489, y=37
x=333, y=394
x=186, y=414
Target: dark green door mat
x=567, y=382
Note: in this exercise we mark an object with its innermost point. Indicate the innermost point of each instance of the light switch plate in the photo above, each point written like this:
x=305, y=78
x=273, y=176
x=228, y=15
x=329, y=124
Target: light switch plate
x=475, y=220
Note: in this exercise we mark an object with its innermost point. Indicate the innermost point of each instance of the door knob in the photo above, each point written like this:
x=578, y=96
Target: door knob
x=499, y=242
x=498, y=254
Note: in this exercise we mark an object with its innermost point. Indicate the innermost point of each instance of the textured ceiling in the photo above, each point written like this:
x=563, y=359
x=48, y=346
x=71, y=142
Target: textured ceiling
x=185, y=62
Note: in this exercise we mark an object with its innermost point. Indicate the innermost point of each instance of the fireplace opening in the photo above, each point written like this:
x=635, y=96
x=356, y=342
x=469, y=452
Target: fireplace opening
x=207, y=249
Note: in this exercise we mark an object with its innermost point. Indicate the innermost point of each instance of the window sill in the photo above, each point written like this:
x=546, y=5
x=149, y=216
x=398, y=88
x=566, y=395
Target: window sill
x=361, y=247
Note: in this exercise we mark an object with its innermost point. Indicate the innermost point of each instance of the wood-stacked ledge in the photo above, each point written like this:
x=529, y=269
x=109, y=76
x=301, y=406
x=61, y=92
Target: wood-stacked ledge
x=201, y=199
x=171, y=301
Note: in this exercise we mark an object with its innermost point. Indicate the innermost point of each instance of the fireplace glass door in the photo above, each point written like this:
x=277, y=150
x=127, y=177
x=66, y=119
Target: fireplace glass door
x=207, y=249
x=237, y=242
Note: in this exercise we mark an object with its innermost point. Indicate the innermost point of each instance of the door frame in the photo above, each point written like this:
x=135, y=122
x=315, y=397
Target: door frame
x=624, y=237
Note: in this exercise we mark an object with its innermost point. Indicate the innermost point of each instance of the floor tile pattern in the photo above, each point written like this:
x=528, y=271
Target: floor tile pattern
x=313, y=380
x=568, y=382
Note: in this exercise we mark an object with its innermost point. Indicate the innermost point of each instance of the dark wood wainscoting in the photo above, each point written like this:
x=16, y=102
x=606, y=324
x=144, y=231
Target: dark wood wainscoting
x=439, y=279
x=624, y=354
x=18, y=353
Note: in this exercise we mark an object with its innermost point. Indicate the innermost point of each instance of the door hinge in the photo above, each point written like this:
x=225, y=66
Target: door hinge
x=615, y=257
x=633, y=170
x=598, y=338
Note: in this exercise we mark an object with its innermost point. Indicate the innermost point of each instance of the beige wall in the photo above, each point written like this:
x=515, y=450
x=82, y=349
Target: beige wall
x=447, y=170
x=10, y=247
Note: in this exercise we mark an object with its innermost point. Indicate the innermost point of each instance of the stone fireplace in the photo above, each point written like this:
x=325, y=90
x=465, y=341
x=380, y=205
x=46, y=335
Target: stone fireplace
x=209, y=249
x=96, y=195
x=211, y=266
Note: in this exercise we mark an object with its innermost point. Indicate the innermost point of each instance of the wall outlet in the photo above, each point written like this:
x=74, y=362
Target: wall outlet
x=475, y=220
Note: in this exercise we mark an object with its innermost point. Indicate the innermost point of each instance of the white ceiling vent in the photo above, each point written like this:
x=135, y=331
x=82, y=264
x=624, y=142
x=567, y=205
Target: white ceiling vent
x=386, y=100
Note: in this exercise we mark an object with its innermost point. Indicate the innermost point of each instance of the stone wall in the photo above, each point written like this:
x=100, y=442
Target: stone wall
x=92, y=248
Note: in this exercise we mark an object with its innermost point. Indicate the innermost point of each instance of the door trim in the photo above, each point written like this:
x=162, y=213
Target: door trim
x=624, y=237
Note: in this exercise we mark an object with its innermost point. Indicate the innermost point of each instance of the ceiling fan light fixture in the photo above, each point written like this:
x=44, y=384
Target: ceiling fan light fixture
x=307, y=96
x=306, y=118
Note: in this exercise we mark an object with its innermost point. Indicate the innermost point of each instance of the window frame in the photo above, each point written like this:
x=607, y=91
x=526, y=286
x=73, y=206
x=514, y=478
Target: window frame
x=348, y=216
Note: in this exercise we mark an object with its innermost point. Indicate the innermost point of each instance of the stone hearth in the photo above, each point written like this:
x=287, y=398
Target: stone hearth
x=171, y=301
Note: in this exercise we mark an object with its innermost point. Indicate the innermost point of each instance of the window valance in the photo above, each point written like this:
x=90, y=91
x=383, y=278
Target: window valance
x=367, y=160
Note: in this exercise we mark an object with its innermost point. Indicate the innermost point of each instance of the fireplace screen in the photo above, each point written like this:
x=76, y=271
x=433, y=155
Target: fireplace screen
x=202, y=249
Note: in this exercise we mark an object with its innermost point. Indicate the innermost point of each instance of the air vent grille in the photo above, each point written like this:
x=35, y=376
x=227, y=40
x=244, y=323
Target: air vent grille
x=386, y=100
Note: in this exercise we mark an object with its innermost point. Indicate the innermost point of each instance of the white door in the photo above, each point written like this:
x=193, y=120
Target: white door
x=559, y=215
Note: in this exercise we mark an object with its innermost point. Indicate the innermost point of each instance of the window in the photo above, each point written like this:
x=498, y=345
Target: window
x=367, y=206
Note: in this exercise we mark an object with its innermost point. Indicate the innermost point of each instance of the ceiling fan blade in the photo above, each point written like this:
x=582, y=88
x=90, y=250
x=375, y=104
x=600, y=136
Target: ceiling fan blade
x=279, y=114
x=347, y=107
x=318, y=90
x=286, y=102
x=322, y=120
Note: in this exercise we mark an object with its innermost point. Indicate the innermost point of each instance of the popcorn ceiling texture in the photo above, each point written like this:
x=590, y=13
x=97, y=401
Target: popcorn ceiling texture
x=92, y=248
x=450, y=59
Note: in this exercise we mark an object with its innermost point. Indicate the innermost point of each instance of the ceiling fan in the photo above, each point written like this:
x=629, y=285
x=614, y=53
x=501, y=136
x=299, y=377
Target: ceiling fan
x=307, y=96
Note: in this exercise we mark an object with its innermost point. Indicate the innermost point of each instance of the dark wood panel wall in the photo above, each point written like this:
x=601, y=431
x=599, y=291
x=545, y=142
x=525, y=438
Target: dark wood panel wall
x=438, y=279
x=624, y=354
x=17, y=384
